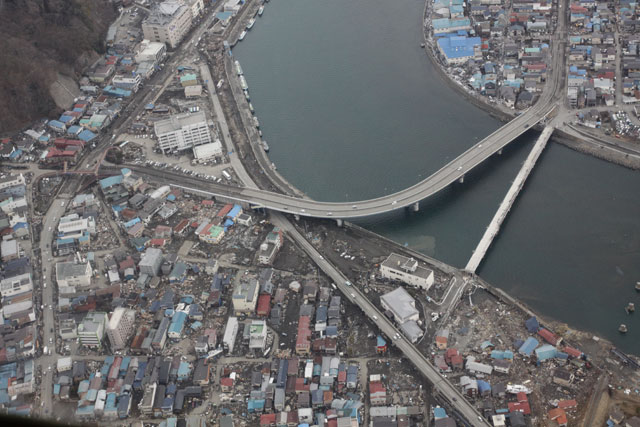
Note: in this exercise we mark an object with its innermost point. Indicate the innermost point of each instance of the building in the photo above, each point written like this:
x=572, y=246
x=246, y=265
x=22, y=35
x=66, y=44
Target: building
x=269, y=248
x=151, y=262
x=401, y=305
x=258, y=335
x=16, y=285
x=182, y=131
x=230, y=333
x=245, y=297
x=211, y=234
x=153, y=52
x=73, y=274
x=457, y=50
x=91, y=330
x=120, y=327
x=168, y=23
x=207, y=151
x=407, y=270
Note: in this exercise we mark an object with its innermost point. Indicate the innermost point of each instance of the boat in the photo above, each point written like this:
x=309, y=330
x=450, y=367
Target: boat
x=251, y=108
x=256, y=122
x=261, y=11
x=422, y=45
x=243, y=83
x=638, y=286
x=265, y=146
x=630, y=308
x=239, y=68
x=623, y=328
x=246, y=95
x=250, y=24
x=242, y=34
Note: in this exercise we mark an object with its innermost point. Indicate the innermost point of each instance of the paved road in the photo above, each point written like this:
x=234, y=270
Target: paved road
x=354, y=295
x=49, y=228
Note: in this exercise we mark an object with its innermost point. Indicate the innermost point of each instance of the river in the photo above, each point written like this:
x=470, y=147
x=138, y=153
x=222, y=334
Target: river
x=352, y=108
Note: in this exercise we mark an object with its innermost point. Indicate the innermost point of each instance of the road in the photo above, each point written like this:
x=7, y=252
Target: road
x=49, y=228
x=354, y=295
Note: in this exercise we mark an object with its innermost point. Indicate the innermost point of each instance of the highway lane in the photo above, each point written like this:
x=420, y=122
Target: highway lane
x=353, y=294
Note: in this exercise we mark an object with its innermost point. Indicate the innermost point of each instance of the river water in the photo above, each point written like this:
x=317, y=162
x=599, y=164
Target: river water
x=352, y=108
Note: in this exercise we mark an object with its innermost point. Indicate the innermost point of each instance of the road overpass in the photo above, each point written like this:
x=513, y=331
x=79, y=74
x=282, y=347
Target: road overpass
x=409, y=197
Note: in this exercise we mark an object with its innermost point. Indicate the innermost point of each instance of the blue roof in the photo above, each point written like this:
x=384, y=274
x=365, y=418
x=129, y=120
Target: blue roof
x=110, y=181
x=439, y=413
x=57, y=124
x=546, y=352
x=75, y=129
x=131, y=223
x=483, y=386
x=458, y=46
x=235, y=211
x=532, y=325
x=86, y=135
x=529, y=345
x=66, y=119
x=380, y=341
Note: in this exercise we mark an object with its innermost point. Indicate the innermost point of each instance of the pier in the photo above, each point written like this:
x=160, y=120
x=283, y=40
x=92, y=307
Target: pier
x=504, y=208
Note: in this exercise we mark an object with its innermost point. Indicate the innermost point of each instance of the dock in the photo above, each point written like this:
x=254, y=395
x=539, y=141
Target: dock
x=504, y=208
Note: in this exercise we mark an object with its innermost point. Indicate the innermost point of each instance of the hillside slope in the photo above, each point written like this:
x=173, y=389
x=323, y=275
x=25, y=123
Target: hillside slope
x=41, y=38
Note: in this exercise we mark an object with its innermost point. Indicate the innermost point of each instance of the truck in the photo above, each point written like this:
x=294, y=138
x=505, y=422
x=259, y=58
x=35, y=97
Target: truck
x=226, y=175
x=45, y=351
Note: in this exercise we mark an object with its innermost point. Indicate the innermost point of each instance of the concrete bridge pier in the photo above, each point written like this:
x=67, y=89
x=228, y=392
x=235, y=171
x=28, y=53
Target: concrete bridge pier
x=415, y=207
x=461, y=179
x=339, y=222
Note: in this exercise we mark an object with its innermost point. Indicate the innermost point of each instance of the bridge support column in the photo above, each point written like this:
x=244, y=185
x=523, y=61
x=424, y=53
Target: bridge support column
x=297, y=217
x=500, y=152
x=461, y=180
x=415, y=207
x=339, y=222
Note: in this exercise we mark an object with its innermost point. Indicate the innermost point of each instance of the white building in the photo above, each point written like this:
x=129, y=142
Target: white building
x=182, y=131
x=401, y=304
x=74, y=227
x=258, y=335
x=16, y=285
x=407, y=270
x=168, y=23
x=73, y=274
x=245, y=297
x=91, y=330
x=153, y=52
x=127, y=82
x=196, y=6
x=207, y=151
x=120, y=327
x=230, y=333
x=9, y=181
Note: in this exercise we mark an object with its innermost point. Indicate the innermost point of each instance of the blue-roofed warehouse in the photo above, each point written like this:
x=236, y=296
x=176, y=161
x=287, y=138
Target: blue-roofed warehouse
x=458, y=49
x=529, y=345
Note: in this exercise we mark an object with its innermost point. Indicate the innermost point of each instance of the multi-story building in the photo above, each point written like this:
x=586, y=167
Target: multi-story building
x=168, y=23
x=16, y=285
x=182, y=132
x=407, y=270
x=245, y=297
x=73, y=274
x=120, y=327
x=196, y=6
x=151, y=262
x=153, y=52
x=269, y=249
x=91, y=330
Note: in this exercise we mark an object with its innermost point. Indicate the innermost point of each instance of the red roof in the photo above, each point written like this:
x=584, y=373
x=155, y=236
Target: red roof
x=376, y=387
x=226, y=382
x=207, y=203
x=567, y=404
x=572, y=351
x=522, y=397
x=559, y=415
x=264, y=305
x=548, y=336
x=157, y=242
x=267, y=419
x=520, y=407
x=225, y=210
x=181, y=226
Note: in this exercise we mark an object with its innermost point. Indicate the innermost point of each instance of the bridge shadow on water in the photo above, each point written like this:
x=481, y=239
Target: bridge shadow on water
x=449, y=224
